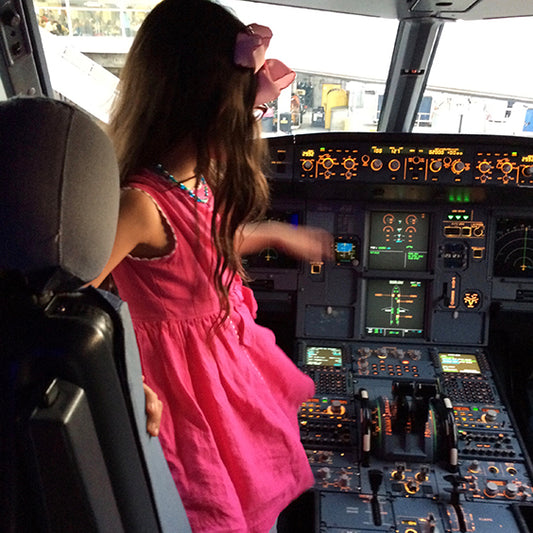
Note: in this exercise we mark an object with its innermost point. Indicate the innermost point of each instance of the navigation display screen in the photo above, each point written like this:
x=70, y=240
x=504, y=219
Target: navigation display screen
x=398, y=241
x=459, y=363
x=323, y=356
x=395, y=308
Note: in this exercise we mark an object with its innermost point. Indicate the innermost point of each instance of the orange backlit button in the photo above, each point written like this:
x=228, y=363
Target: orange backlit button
x=472, y=299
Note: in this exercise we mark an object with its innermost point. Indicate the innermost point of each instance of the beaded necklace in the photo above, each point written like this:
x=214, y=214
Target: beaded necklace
x=165, y=173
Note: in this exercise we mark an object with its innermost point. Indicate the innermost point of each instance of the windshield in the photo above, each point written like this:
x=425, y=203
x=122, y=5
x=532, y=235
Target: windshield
x=477, y=83
x=341, y=63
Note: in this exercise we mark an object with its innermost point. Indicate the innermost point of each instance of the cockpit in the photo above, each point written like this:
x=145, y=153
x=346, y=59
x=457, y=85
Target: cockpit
x=407, y=135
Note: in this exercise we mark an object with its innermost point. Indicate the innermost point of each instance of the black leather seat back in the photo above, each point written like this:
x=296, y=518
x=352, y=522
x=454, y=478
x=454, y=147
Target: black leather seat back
x=74, y=452
x=59, y=192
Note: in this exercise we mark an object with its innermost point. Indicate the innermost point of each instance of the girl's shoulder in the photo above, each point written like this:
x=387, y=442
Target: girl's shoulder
x=148, y=181
x=144, y=218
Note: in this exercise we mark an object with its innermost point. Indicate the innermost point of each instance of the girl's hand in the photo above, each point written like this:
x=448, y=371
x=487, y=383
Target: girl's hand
x=301, y=242
x=305, y=242
x=154, y=410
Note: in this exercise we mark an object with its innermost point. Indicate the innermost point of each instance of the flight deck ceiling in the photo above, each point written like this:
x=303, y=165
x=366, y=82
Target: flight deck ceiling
x=401, y=9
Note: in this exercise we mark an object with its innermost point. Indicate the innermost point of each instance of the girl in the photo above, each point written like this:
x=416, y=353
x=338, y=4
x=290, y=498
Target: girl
x=190, y=156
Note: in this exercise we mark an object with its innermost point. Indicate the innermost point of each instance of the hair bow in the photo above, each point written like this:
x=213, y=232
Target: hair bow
x=272, y=75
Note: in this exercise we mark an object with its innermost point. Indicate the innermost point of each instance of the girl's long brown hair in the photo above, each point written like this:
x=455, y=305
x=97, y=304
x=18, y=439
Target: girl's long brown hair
x=180, y=87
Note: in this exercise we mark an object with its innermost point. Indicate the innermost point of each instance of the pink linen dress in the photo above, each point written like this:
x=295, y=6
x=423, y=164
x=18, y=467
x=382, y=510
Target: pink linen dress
x=229, y=429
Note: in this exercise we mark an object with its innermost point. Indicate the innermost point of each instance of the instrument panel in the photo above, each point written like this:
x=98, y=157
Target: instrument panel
x=481, y=160
x=410, y=429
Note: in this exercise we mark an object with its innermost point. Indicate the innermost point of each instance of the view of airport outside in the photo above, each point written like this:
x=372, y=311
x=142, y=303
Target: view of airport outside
x=478, y=83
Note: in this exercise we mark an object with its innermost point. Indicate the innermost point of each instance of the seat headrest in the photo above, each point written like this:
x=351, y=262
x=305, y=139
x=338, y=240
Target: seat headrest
x=59, y=193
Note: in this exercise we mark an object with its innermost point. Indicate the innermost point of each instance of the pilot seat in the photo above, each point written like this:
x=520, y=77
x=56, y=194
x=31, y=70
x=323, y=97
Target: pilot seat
x=74, y=451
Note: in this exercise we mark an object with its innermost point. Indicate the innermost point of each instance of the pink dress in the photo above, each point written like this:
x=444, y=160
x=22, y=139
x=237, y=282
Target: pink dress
x=229, y=429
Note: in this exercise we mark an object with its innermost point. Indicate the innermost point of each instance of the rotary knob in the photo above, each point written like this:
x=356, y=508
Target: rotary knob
x=365, y=352
x=344, y=480
x=490, y=416
x=382, y=353
x=394, y=165
x=511, y=490
x=458, y=167
x=307, y=165
x=423, y=475
x=336, y=407
x=411, y=486
x=11, y=18
x=484, y=166
x=474, y=466
x=324, y=457
x=324, y=473
x=327, y=163
x=363, y=363
x=416, y=355
x=377, y=164
x=491, y=489
x=435, y=166
x=507, y=167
